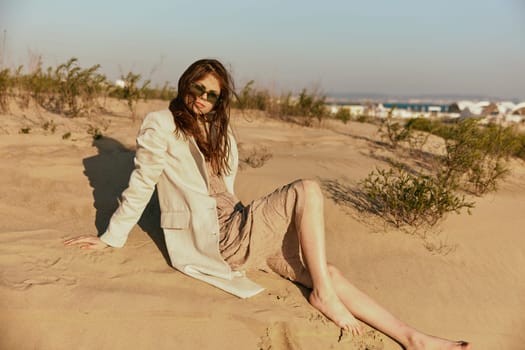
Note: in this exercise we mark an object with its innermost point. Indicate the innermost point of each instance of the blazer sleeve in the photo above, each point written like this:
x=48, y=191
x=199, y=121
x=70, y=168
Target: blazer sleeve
x=150, y=160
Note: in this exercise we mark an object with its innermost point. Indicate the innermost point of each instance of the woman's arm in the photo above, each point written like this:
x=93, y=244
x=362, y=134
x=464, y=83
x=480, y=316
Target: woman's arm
x=149, y=161
x=150, y=158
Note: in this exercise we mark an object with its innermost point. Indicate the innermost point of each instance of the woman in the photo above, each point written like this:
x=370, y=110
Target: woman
x=189, y=153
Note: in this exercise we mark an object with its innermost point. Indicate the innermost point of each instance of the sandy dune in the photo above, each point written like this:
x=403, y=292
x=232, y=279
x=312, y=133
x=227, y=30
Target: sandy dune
x=56, y=297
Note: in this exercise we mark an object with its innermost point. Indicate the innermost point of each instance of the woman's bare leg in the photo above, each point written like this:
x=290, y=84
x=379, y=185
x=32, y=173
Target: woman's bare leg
x=336, y=297
x=312, y=242
x=373, y=314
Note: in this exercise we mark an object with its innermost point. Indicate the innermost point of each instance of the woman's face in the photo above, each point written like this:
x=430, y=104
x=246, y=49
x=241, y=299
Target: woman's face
x=205, y=93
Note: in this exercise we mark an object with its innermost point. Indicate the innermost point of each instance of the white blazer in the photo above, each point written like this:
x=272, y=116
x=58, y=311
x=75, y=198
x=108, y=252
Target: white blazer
x=188, y=213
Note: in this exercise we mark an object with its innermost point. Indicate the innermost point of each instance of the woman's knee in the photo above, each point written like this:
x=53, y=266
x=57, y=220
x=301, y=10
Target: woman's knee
x=312, y=189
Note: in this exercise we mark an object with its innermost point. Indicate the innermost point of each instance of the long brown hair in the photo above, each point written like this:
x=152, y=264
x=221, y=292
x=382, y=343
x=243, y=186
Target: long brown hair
x=216, y=145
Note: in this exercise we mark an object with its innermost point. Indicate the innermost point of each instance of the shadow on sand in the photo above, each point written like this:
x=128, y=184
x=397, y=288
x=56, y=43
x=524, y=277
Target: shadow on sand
x=108, y=173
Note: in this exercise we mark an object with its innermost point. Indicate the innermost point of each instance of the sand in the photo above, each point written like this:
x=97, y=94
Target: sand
x=465, y=280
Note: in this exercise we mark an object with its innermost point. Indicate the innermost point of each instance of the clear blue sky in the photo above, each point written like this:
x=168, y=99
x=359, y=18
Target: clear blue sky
x=403, y=47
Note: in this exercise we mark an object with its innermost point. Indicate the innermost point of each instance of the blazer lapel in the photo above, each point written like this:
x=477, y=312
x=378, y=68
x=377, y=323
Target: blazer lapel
x=200, y=161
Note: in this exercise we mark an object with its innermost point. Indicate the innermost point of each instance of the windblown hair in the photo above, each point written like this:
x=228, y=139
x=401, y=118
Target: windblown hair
x=216, y=145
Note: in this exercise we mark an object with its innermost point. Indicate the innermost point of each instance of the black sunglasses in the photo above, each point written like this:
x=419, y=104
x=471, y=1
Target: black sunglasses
x=198, y=90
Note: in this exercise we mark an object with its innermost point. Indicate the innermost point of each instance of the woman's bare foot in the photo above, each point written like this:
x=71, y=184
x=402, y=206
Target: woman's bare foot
x=426, y=342
x=333, y=308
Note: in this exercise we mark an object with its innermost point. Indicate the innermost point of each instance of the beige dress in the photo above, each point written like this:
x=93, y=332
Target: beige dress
x=262, y=234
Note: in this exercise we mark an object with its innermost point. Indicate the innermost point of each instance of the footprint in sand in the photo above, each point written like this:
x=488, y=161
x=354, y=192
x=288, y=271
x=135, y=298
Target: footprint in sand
x=42, y=280
x=277, y=336
x=35, y=271
x=292, y=335
x=369, y=340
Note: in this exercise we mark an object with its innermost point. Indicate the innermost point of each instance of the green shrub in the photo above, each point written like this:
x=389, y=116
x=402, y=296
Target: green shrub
x=77, y=87
x=21, y=91
x=421, y=124
x=286, y=106
x=476, y=157
x=251, y=98
x=475, y=160
x=311, y=105
x=42, y=87
x=343, y=115
x=166, y=92
x=393, y=131
x=405, y=199
x=131, y=92
x=520, y=149
x=5, y=87
x=435, y=127
x=362, y=119
x=307, y=107
x=304, y=109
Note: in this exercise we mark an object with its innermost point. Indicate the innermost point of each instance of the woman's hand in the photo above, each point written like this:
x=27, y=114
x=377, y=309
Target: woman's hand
x=87, y=242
